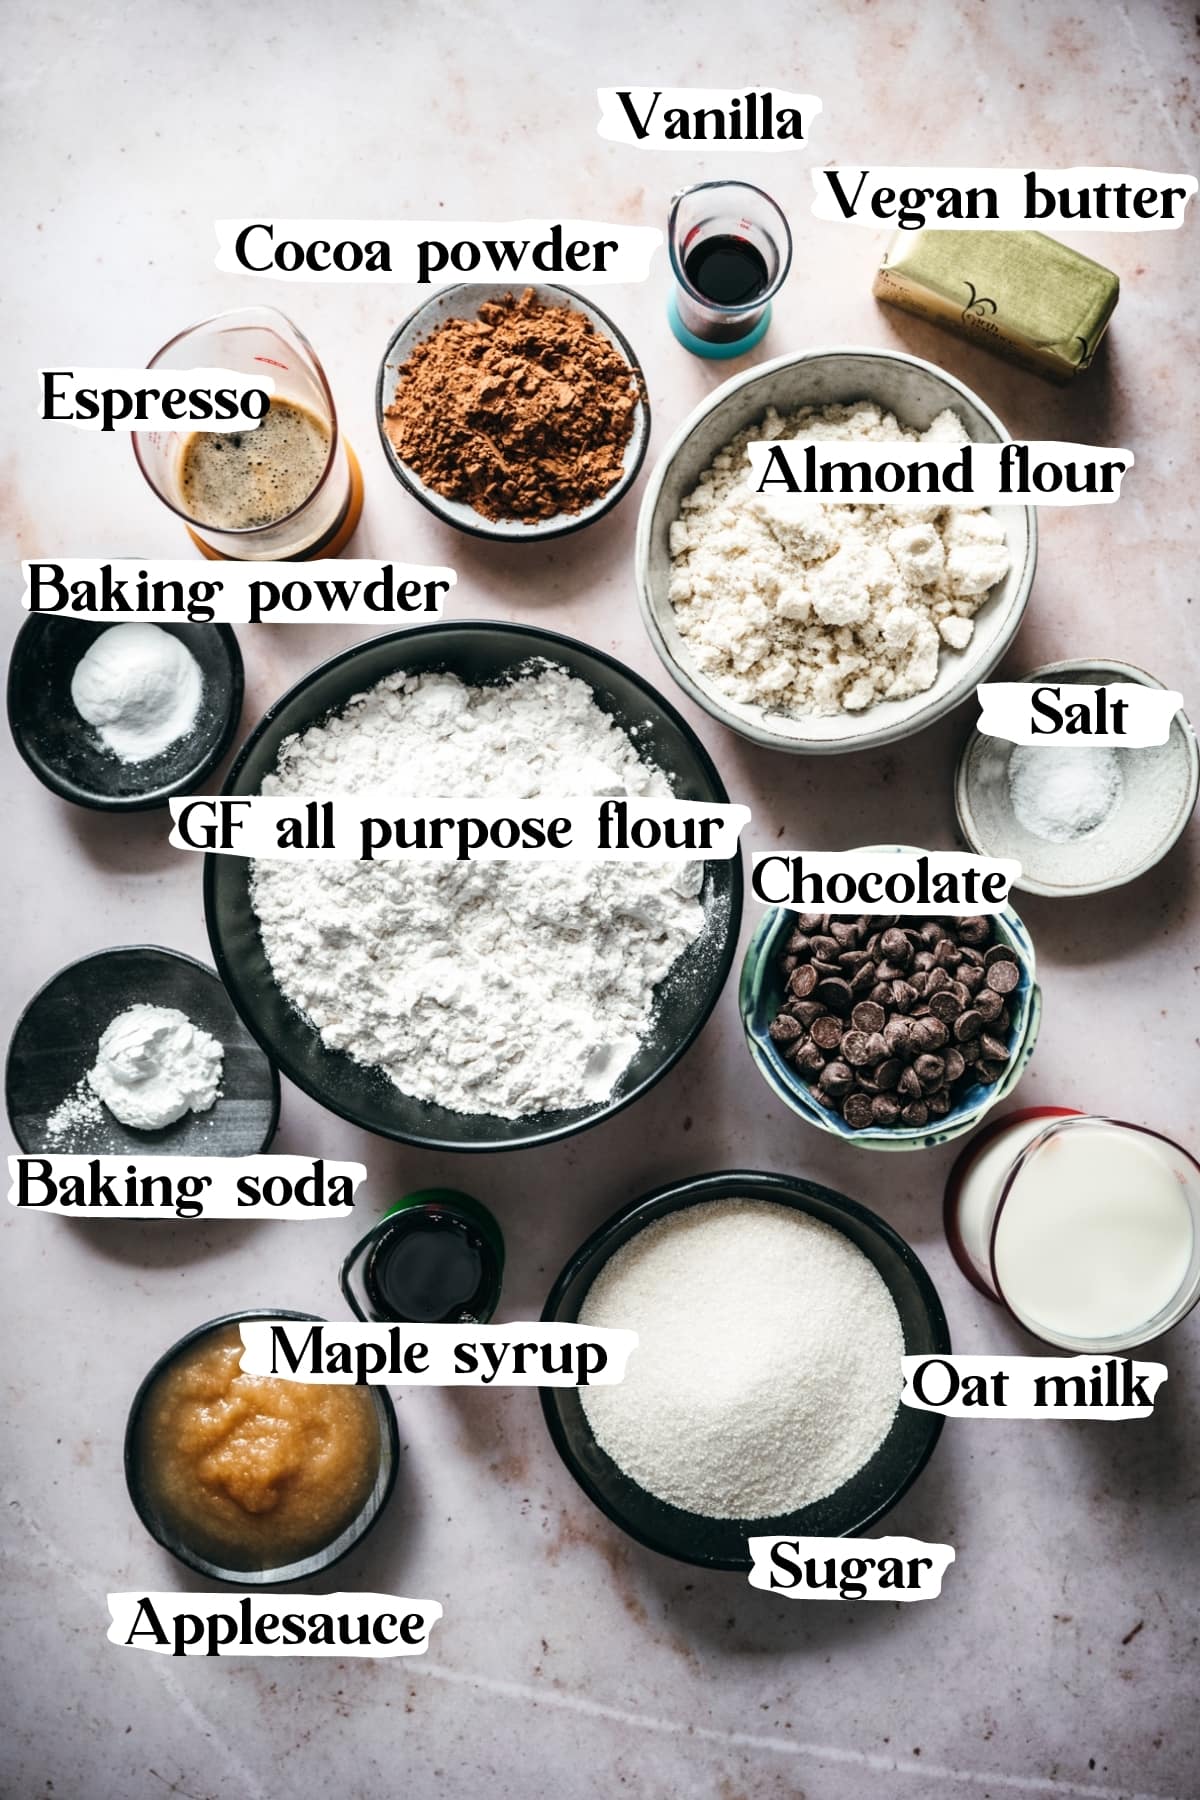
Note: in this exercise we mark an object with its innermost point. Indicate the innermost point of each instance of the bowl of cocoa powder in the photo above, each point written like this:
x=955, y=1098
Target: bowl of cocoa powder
x=512, y=413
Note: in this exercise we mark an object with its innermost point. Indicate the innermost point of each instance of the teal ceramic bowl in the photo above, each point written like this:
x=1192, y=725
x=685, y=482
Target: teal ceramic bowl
x=761, y=993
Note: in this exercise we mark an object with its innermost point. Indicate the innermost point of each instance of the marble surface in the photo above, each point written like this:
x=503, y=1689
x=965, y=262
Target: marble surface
x=1061, y=1657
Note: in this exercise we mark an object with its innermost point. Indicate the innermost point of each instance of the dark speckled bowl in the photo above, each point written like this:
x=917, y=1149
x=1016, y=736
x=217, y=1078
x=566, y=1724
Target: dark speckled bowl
x=859, y=1502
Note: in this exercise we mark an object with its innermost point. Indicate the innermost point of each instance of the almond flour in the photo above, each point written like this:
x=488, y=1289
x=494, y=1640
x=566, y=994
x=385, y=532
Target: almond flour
x=824, y=608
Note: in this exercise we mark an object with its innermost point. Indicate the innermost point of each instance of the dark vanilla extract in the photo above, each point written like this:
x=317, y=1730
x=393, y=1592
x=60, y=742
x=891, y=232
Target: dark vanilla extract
x=727, y=270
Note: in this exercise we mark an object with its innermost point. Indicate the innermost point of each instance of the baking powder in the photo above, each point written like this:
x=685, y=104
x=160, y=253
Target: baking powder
x=140, y=687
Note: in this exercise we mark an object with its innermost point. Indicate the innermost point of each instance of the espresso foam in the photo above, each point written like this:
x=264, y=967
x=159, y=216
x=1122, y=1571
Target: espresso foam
x=237, y=480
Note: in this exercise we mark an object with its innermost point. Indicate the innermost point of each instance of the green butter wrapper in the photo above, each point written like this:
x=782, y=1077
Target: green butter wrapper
x=1020, y=293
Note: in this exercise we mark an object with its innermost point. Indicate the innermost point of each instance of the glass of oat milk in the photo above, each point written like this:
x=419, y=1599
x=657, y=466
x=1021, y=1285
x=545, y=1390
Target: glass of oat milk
x=288, y=490
x=1087, y=1230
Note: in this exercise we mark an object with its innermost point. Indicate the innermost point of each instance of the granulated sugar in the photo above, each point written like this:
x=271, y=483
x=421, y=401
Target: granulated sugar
x=767, y=1370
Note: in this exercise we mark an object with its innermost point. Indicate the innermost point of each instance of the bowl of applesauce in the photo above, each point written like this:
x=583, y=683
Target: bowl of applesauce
x=252, y=1479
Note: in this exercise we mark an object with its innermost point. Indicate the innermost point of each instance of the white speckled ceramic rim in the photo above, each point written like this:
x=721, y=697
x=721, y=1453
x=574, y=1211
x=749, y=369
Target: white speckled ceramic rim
x=1182, y=736
x=957, y=676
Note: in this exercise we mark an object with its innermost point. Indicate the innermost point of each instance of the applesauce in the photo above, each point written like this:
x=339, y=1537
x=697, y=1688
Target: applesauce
x=252, y=1471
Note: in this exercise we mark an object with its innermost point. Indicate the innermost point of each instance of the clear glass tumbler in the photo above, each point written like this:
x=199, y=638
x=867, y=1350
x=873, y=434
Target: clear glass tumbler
x=731, y=249
x=257, y=340
x=1086, y=1230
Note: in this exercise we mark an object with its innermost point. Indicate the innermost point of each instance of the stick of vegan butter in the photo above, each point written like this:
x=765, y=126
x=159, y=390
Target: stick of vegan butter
x=1020, y=293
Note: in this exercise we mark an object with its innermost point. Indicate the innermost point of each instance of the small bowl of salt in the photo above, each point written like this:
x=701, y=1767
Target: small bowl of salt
x=1078, y=817
x=121, y=717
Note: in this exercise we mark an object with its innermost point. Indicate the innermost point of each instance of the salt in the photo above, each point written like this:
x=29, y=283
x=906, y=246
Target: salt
x=767, y=1370
x=1059, y=794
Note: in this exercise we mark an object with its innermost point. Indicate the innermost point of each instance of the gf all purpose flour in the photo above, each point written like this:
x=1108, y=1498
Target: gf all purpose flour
x=500, y=987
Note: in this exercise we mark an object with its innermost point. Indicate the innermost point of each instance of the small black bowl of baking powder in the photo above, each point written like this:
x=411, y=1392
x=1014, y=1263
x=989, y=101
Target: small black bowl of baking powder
x=71, y=757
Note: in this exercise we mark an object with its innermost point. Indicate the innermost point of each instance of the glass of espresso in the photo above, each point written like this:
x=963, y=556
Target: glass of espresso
x=284, y=491
x=731, y=249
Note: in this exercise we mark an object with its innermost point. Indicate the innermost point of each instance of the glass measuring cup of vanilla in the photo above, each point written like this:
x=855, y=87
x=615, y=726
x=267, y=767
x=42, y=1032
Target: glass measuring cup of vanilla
x=286, y=491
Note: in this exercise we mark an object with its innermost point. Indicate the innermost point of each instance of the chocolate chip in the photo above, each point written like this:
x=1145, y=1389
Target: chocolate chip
x=968, y=1025
x=896, y=947
x=827, y=1031
x=867, y=1016
x=989, y=1005
x=845, y=933
x=954, y=1066
x=988, y=1072
x=1003, y=977
x=973, y=957
x=789, y=963
x=999, y=953
x=887, y=1073
x=863, y=979
x=932, y=933
x=858, y=1110
x=802, y=981
x=970, y=1051
x=974, y=930
x=947, y=955
x=930, y=1034
x=825, y=947
x=910, y=1085
x=798, y=944
x=915, y=1113
x=856, y=1048
x=885, y=1110
x=881, y=993
x=937, y=980
x=805, y=1010
x=837, y=1078
x=929, y=1071
x=835, y=993
x=784, y=1030
x=923, y=960
x=971, y=979
x=945, y=1006
x=851, y=961
x=812, y=921
x=809, y=1058
x=939, y=1103
x=904, y=995
x=993, y=1048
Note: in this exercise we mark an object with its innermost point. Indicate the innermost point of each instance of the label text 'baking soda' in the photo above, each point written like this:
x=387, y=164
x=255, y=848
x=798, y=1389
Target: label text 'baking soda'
x=908, y=472
x=1031, y=1387
x=243, y=594
x=950, y=881
x=520, y=1354
x=607, y=829
x=185, y=1187
x=272, y=1624
x=1081, y=199
x=430, y=250
x=815, y=1568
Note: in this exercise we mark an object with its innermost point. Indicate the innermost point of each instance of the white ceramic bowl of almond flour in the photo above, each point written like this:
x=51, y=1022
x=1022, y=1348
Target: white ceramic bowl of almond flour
x=916, y=392
x=1153, y=803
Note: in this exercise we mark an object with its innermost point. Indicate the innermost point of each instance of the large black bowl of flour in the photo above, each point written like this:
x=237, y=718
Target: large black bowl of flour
x=479, y=654
x=850, y=1510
